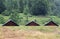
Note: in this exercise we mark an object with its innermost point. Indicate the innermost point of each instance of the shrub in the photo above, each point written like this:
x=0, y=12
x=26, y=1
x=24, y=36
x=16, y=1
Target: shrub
x=1, y=19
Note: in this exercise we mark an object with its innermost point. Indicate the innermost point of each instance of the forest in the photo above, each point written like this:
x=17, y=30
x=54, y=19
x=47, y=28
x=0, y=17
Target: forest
x=23, y=11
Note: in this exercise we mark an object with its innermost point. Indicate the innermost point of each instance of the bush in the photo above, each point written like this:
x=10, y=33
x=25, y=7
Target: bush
x=6, y=13
x=15, y=17
x=1, y=19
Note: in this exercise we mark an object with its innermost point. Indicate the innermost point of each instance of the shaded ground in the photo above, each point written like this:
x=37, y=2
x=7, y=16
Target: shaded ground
x=7, y=33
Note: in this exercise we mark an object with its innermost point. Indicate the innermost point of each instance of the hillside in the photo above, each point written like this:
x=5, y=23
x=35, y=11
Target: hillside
x=24, y=11
x=38, y=19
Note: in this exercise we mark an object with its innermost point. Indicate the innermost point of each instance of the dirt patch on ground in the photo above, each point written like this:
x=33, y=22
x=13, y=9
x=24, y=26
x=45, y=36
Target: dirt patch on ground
x=22, y=34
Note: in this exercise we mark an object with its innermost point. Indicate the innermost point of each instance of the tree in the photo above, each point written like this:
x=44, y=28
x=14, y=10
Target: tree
x=26, y=12
x=20, y=5
x=2, y=6
x=6, y=13
x=39, y=8
x=15, y=17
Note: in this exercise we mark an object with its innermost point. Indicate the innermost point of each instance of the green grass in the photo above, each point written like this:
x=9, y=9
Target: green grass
x=39, y=19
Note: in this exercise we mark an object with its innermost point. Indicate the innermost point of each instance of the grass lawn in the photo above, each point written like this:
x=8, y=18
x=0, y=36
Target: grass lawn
x=29, y=32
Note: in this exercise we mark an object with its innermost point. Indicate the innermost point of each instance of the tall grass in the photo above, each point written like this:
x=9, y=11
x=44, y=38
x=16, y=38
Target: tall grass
x=36, y=28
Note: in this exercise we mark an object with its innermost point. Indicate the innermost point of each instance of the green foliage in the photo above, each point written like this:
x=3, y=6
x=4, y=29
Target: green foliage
x=6, y=13
x=29, y=8
x=39, y=8
x=15, y=17
x=2, y=19
x=2, y=6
